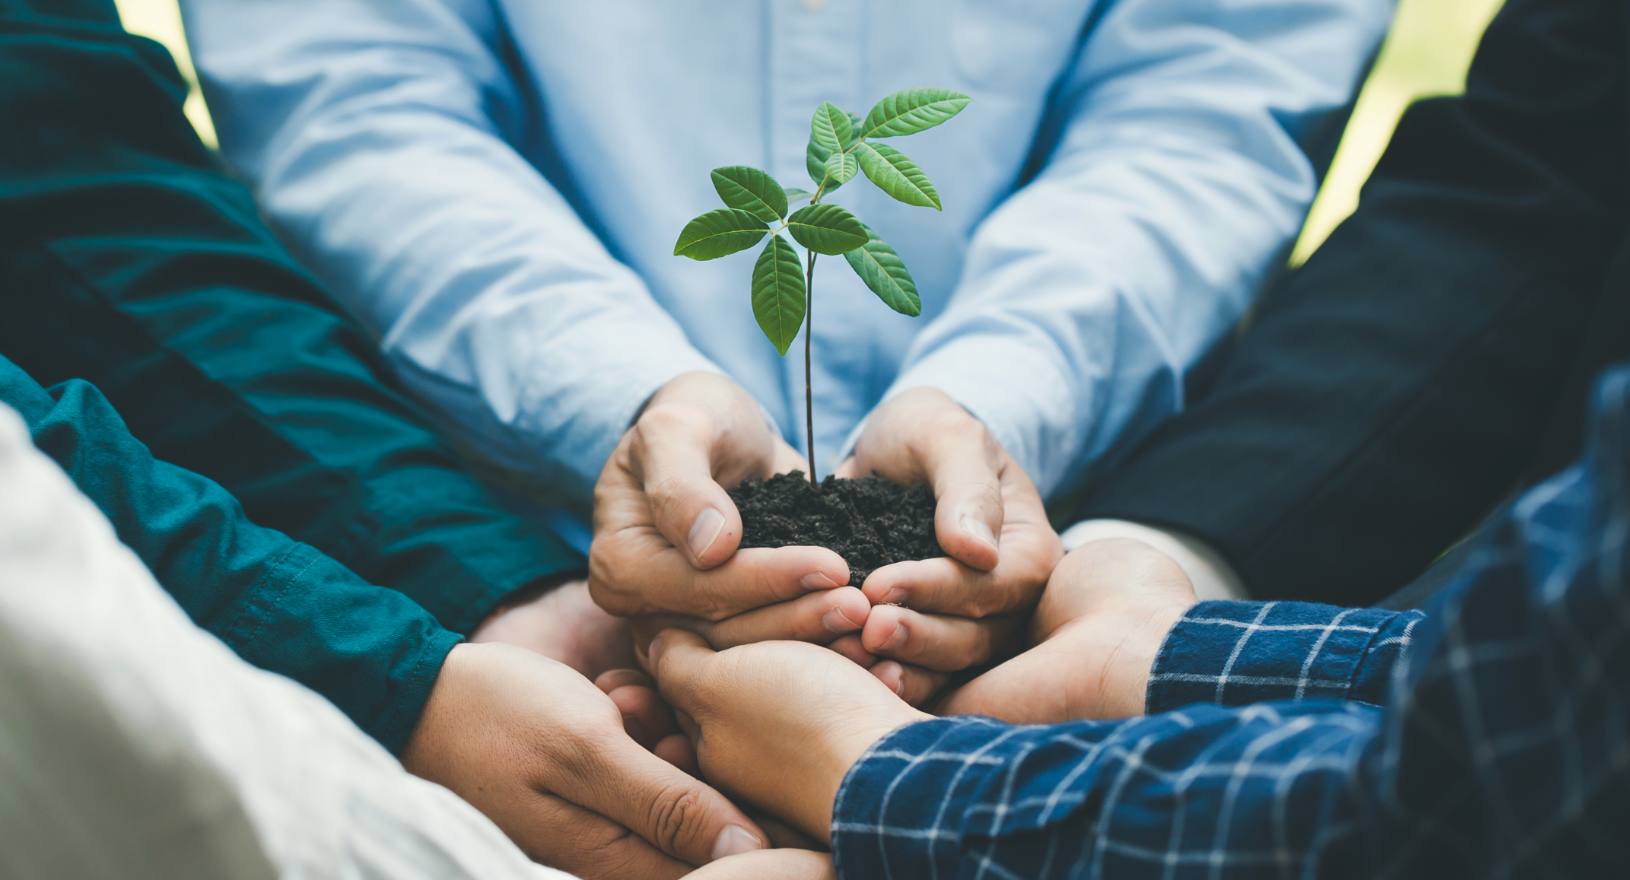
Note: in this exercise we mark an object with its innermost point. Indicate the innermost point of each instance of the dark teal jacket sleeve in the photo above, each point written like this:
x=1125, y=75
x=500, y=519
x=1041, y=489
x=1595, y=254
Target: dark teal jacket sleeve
x=128, y=259
x=280, y=604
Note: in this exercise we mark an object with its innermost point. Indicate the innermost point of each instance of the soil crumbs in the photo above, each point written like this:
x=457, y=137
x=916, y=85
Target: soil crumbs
x=870, y=522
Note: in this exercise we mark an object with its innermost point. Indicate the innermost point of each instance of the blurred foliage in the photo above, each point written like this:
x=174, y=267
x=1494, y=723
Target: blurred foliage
x=1426, y=54
x=161, y=20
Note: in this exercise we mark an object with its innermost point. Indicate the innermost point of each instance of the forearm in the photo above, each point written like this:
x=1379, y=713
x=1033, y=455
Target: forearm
x=1165, y=202
x=1239, y=653
x=1090, y=799
x=394, y=174
x=1425, y=350
x=156, y=281
x=279, y=604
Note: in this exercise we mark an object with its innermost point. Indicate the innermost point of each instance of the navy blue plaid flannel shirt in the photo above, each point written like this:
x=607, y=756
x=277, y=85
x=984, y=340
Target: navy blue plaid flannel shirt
x=1487, y=737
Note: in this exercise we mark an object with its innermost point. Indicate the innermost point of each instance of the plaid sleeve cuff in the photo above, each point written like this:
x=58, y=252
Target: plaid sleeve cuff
x=910, y=804
x=1236, y=653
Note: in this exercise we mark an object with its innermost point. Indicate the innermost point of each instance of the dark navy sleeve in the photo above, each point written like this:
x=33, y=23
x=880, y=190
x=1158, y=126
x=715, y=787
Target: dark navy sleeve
x=1238, y=653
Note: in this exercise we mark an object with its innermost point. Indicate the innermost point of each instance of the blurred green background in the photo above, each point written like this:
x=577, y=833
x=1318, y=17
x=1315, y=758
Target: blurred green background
x=1426, y=54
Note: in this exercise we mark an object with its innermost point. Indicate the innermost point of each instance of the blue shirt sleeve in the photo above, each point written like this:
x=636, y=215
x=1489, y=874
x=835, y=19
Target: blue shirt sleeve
x=497, y=304
x=1238, y=653
x=1176, y=174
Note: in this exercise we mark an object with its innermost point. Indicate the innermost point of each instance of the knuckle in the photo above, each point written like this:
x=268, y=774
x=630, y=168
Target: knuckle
x=667, y=422
x=665, y=494
x=705, y=600
x=988, y=602
x=676, y=816
x=610, y=600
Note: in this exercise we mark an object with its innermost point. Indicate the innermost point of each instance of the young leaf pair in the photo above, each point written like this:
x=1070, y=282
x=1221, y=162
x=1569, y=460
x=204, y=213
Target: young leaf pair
x=840, y=146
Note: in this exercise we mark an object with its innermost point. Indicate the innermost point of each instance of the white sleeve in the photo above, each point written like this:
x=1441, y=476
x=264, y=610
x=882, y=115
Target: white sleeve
x=136, y=746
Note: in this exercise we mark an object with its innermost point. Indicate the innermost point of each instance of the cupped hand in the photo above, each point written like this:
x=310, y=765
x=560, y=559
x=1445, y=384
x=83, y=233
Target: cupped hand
x=938, y=616
x=543, y=753
x=777, y=724
x=1095, y=635
x=665, y=530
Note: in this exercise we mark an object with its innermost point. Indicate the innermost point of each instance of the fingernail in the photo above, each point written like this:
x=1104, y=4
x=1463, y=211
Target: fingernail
x=894, y=596
x=652, y=650
x=707, y=528
x=895, y=639
x=838, y=622
x=734, y=840
x=816, y=580
x=979, y=531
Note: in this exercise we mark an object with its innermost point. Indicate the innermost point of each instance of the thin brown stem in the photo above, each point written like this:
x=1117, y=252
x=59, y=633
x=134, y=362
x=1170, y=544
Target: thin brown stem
x=809, y=393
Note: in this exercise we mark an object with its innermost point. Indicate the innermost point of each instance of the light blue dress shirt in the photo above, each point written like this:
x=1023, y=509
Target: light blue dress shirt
x=495, y=187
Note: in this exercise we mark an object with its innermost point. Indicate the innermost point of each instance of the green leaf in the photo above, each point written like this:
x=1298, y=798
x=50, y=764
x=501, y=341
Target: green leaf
x=840, y=167
x=815, y=157
x=827, y=229
x=778, y=293
x=885, y=273
x=751, y=190
x=719, y=233
x=897, y=175
x=854, y=124
x=912, y=110
x=831, y=128
x=798, y=195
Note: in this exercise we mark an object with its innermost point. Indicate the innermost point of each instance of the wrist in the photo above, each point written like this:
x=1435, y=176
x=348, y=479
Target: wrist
x=843, y=749
x=1126, y=675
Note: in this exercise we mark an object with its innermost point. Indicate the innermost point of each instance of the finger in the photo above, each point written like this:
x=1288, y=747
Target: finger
x=675, y=811
x=938, y=642
x=613, y=679
x=913, y=684
x=787, y=459
x=629, y=575
x=780, y=864
x=851, y=648
x=692, y=730
x=963, y=467
x=848, y=470
x=563, y=835
x=672, y=456
x=783, y=835
x=676, y=657
x=818, y=617
x=678, y=750
x=646, y=719
x=945, y=586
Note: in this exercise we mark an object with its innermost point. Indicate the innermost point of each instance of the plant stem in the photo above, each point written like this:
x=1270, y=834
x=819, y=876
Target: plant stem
x=809, y=393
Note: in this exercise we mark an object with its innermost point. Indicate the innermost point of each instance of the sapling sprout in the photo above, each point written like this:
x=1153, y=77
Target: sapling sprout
x=840, y=145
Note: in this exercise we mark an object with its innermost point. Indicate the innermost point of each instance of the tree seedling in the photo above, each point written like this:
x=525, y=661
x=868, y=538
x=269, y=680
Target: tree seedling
x=840, y=145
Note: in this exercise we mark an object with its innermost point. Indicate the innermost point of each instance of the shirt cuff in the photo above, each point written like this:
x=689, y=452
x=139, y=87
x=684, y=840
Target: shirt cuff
x=1236, y=653
x=900, y=808
x=1208, y=571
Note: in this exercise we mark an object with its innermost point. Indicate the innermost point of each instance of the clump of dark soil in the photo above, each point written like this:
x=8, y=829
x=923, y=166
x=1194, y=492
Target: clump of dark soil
x=870, y=522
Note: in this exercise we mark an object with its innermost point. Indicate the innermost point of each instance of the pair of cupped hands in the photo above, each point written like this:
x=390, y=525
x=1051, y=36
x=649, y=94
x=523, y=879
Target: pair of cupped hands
x=763, y=671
